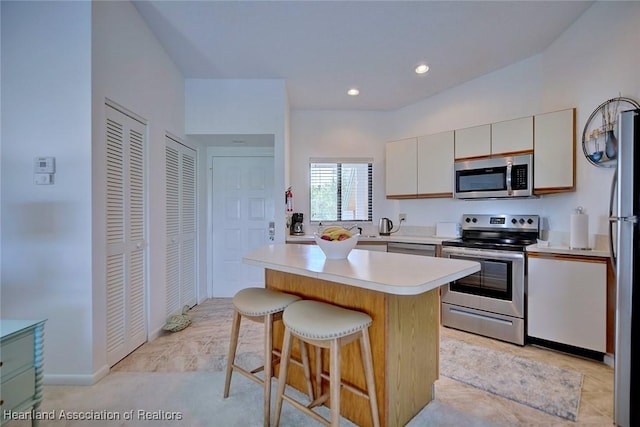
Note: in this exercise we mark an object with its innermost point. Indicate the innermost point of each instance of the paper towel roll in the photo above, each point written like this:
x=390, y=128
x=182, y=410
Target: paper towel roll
x=579, y=231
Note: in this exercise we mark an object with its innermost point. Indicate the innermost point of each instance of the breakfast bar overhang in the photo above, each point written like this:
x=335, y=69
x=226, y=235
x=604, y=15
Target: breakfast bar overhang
x=399, y=292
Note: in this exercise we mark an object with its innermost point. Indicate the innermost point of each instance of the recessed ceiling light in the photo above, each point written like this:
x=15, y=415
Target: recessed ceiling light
x=353, y=92
x=422, y=68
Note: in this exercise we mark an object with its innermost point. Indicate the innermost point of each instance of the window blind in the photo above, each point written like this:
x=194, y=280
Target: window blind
x=341, y=190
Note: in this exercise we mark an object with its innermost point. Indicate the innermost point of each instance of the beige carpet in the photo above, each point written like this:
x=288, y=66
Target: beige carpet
x=182, y=372
x=192, y=399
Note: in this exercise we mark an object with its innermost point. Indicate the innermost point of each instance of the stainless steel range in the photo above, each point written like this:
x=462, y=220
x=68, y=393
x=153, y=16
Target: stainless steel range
x=491, y=302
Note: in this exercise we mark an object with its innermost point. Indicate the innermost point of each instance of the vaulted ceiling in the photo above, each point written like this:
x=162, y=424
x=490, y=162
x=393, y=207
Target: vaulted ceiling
x=323, y=48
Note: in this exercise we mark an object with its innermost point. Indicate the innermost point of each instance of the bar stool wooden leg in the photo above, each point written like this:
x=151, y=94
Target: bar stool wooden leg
x=318, y=372
x=268, y=367
x=367, y=359
x=282, y=378
x=334, y=382
x=235, y=331
x=304, y=355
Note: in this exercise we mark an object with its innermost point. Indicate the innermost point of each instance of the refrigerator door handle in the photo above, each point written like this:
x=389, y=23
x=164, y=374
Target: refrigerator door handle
x=612, y=219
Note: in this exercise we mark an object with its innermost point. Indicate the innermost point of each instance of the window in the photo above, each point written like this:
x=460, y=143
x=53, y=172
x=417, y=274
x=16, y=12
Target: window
x=341, y=190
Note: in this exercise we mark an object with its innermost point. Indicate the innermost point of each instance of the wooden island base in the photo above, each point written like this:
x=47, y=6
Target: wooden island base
x=404, y=341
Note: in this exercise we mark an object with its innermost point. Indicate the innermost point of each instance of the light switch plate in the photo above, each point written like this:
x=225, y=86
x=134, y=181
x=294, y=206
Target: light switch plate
x=43, y=179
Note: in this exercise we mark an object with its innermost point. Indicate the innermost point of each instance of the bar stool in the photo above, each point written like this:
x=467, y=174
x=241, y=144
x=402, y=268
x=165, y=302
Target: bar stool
x=326, y=326
x=266, y=306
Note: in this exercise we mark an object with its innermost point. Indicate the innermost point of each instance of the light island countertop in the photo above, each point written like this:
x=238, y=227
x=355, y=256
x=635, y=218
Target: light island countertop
x=392, y=273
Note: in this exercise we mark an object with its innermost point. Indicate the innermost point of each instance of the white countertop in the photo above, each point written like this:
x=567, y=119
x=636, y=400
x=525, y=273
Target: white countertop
x=434, y=240
x=566, y=250
x=392, y=273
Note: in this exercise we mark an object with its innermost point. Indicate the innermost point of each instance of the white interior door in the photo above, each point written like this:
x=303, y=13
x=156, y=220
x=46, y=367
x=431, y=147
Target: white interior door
x=242, y=208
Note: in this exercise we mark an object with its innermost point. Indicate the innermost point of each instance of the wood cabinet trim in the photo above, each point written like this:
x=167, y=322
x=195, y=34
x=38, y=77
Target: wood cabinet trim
x=465, y=159
x=434, y=195
x=402, y=196
x=568, y=257
x=510, y=153
x=551, y=190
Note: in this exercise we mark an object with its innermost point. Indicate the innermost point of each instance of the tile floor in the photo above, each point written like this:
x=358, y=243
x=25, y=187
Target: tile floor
x=203, y=347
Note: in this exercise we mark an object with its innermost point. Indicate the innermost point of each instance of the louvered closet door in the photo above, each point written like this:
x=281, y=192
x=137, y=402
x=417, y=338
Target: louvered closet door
x=181, y=226
x=126, y=220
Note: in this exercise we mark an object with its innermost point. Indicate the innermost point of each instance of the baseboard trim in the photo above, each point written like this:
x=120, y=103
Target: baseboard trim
x=155, y=333
x=609, y=359
x=52, y=379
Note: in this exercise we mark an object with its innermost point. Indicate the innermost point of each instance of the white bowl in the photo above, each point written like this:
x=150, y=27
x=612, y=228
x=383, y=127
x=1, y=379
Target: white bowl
x=336, y=249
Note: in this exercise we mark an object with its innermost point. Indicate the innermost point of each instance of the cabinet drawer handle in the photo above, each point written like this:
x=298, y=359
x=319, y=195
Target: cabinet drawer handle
x=1, y=363
x=1, y=402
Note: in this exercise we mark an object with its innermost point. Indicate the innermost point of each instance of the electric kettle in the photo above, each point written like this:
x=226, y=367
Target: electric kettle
x=385, y=227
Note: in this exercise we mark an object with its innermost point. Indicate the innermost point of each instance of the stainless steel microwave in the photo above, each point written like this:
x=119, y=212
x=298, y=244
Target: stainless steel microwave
x=500, y=177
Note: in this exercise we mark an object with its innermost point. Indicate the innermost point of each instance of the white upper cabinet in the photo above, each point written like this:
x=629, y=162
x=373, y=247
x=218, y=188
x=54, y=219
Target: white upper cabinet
x=512, y=136
x=435, y=165
x=401, y=168
x=473, y=142
x=422, y=167
x=554, y=152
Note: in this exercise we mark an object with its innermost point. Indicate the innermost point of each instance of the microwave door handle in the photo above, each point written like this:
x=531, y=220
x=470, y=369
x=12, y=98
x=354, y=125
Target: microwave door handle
x=509, y=189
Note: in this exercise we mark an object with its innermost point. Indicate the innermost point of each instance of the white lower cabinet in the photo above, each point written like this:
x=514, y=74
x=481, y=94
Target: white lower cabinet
x=372, y=246
x=567, y=300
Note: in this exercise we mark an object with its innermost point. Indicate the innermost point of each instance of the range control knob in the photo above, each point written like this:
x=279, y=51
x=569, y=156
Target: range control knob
x=513, y=221
x=521, y=221
x=474, y=220
x=468, y=220
x=529, y=221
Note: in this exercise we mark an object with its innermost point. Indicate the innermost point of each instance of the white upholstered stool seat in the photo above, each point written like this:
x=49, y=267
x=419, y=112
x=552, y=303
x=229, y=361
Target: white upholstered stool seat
x=326, y=326
x=260, y=301
x=261, y=305
x=322, y=321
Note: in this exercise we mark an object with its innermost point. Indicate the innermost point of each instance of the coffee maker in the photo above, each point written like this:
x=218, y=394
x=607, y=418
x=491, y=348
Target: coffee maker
x=296, y=228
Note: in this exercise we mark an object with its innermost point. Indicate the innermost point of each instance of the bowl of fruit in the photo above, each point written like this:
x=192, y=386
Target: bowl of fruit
x=336, y=242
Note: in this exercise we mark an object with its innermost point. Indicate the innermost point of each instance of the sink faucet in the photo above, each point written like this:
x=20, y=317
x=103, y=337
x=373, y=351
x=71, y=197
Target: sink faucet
x=355, y=226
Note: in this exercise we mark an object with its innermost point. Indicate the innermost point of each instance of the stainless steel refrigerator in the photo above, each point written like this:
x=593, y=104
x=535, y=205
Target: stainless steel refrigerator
x=625, y=240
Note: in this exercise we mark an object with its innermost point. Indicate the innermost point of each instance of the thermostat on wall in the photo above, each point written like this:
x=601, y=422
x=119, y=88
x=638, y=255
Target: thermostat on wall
x=44, y=165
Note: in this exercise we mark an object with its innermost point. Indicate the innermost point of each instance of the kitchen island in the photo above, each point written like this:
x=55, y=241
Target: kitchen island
x=401, y=294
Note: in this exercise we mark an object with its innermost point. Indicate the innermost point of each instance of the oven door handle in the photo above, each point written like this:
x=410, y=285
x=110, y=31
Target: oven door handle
x=482, y=253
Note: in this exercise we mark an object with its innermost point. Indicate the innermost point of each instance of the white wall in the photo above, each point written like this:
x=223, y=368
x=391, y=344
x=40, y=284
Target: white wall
x=230, y=107
x=338, y=134
x=60, y=60
x=131, y=68
x=46, y=229
x=594, y=60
